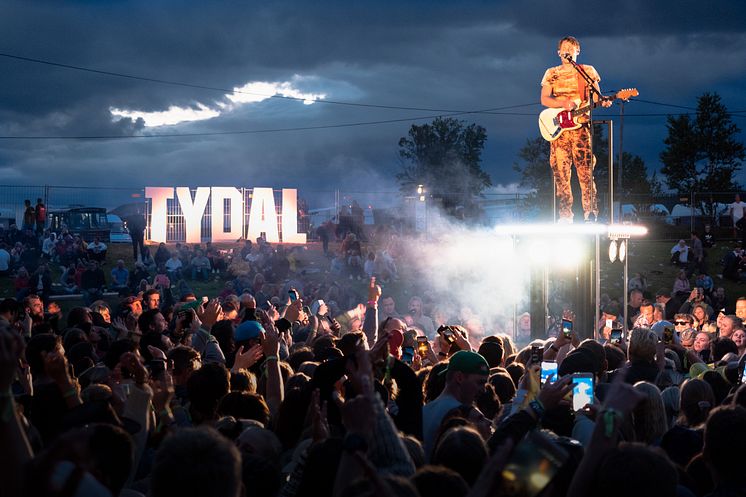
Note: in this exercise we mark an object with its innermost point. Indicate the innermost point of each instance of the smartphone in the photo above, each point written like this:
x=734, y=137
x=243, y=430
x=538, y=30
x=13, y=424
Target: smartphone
x=548, y=372
x=567, y=328
x=582, y=390
x=536, y=354
x=293, y=294
x=668, y=334
x=533, y=464
x=422, y=346
x=616, y=336
x=194, y=304
x=743, y=373
x=447, y=333
x=407, y=354
x=157, y=368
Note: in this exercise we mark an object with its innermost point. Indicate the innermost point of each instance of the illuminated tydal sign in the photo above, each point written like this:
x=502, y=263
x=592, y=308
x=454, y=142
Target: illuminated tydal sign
x=262, y=216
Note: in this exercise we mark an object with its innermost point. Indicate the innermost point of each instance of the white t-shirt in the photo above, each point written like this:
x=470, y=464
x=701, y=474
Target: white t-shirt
x=737, y=208
x=173, y=264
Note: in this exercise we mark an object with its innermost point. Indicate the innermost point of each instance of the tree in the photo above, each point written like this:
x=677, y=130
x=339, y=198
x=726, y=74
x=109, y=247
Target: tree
x=702, y=154
x=445, y=156
x=536, y=174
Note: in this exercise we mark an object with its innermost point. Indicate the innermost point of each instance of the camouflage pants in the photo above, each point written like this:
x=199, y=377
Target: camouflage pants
x=574, y=147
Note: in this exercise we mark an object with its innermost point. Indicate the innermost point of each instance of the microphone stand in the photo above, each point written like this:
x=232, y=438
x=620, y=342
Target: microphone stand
x=591, y=91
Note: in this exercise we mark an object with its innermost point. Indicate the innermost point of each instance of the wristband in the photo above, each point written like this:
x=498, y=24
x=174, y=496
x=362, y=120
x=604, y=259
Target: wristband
x=372, y=303
x=609, y=416
x=538, y=408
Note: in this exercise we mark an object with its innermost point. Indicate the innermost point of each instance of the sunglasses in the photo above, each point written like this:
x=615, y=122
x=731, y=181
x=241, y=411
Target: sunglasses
x=681, y=323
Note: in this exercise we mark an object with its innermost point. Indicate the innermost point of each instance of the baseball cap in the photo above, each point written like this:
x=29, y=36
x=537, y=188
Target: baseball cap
x=468, y=363
x=248, y=330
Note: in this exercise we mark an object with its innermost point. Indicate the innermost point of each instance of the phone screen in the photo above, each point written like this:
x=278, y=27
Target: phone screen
x=422, y=346
x=567, y=327
x=616, y=336
x=293, y=294
x=535, y=354
x=582, y=390
x=743, y=372
x=407, y=354
x=532, y=466
x=548, y=368
x=609, y=323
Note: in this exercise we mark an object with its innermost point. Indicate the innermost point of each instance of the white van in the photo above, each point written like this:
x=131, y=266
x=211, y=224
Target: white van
x=119, y=232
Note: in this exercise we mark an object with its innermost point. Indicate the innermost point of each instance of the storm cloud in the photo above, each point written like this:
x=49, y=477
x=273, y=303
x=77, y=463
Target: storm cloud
x=449, y=56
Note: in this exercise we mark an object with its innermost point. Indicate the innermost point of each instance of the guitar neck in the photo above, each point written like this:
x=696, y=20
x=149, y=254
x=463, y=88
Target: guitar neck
x=584, y=109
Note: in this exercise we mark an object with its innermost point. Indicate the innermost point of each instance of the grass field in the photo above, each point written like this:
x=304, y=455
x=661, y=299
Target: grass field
x=650, y=258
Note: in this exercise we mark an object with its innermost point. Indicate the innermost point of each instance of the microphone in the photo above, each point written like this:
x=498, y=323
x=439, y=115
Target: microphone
x=566, y=56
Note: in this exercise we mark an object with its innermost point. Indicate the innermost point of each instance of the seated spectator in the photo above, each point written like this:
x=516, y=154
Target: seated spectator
x=148, y=260
x=119, y=277
x=200, y=265
x=22, y=283
x=161, y=279
x=97, y=250
x=162, y=254
x=680, y=254
x=681, y=284
x=173, y=267
x=92, y=283
x=67, y=279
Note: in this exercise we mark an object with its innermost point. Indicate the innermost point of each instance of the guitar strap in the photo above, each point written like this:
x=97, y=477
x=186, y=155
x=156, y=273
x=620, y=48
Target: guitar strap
x=583, y=92
x=582, y=87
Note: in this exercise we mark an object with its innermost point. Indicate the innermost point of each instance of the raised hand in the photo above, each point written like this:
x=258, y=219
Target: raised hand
x=552, y=394
x=245, y=358
x=163, y=391
x=55, y=366
x=130, y=361
x=374, y=291
x=212, y=313
x=319, y=422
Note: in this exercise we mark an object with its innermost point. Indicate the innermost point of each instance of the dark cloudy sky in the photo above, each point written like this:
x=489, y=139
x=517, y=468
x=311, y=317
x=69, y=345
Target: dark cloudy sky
x=424, y=54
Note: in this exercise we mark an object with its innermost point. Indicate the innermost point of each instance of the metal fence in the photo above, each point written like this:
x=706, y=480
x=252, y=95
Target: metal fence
x=668, y=217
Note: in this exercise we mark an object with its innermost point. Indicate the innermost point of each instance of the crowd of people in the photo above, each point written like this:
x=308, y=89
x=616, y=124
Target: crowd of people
x=286, y=383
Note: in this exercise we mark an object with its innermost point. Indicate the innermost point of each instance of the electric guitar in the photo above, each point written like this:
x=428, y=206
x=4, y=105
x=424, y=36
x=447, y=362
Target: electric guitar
x=553, y=121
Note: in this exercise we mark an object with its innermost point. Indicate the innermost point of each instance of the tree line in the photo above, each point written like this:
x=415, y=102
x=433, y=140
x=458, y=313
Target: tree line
x=701, y=153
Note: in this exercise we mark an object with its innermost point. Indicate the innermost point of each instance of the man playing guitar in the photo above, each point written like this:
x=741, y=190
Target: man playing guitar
x=563, y=87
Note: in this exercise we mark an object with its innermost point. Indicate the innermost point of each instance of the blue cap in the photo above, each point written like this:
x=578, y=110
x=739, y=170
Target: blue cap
x=248, y=330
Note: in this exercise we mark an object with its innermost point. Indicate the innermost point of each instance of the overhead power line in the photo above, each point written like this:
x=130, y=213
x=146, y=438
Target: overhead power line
x=225, y=90
x=297, y=128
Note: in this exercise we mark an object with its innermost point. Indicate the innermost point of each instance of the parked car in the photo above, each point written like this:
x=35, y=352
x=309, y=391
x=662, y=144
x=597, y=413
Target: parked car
x=88, y=222
x=119, y=232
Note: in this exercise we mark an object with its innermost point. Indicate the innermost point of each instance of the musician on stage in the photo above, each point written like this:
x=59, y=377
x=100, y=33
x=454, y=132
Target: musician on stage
x=563, y=87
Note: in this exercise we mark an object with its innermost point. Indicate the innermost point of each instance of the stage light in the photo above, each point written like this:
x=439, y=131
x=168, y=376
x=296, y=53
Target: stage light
x=623, y=250
x=568, y=253
x=422, y=198
x=420, y=189
x=613, y=250
x=626, y=230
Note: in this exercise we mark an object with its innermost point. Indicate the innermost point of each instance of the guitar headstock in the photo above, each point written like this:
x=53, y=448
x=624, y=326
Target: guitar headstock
x=627, y=93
